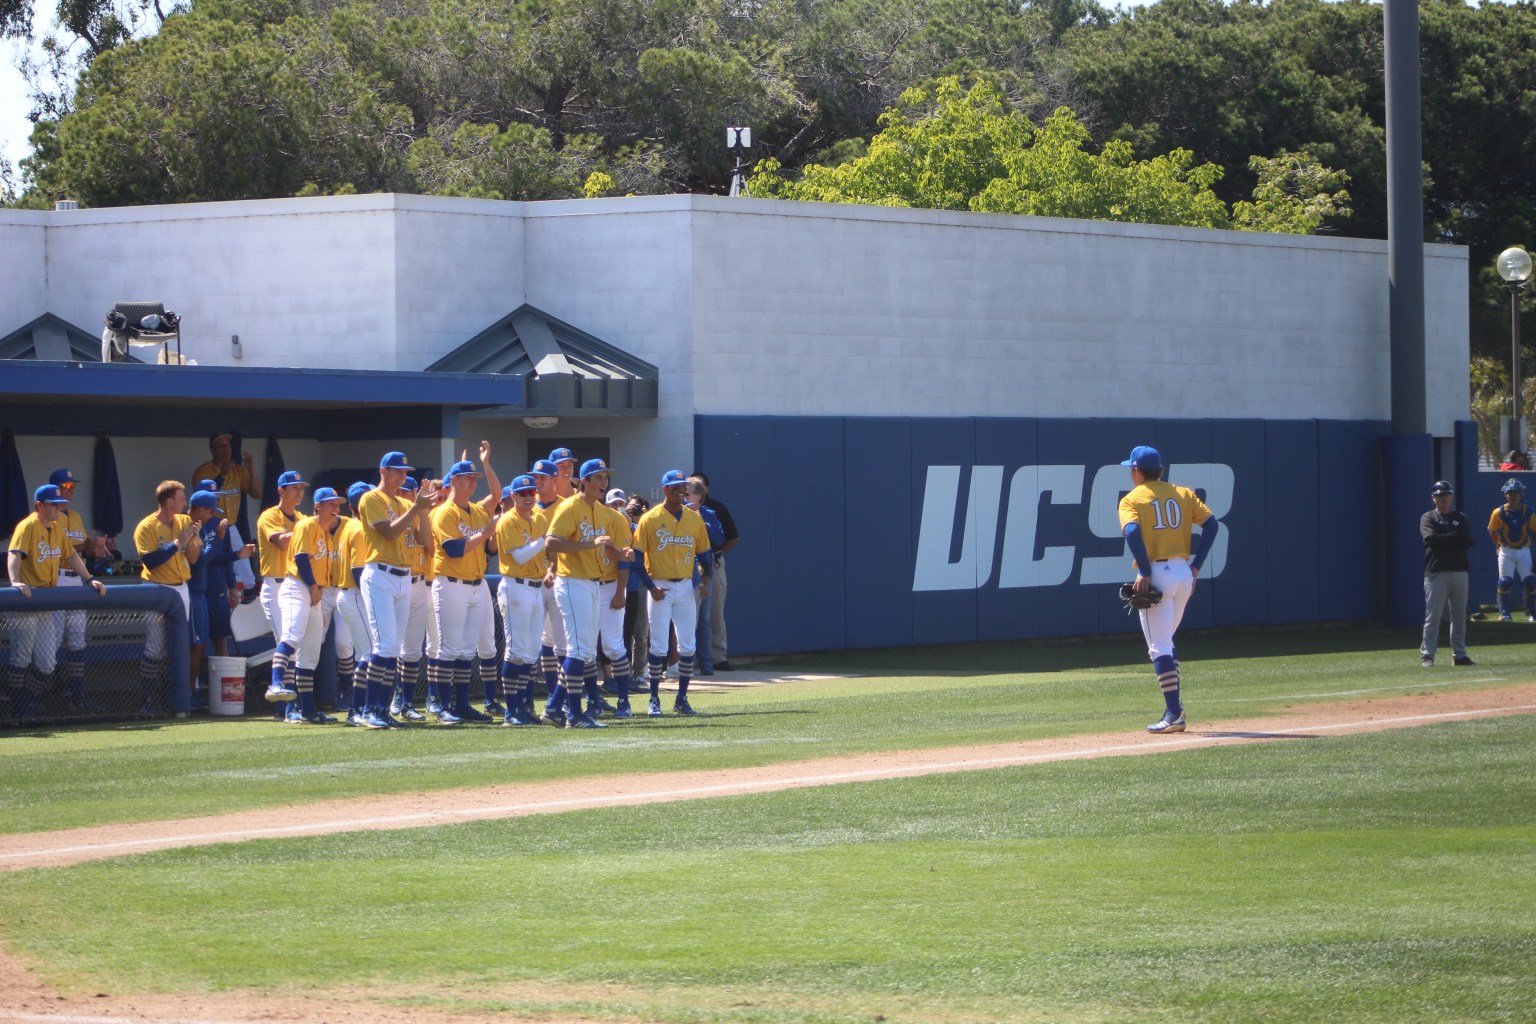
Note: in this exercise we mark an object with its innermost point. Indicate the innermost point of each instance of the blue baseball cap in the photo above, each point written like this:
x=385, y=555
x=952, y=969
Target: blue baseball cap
x=1144, y=458
x=203, y=499
x=50, y=494
x=519, y=485
x=592, y=467
x=410, y=484
x=545, y=468
x=291, y=478
x=326, y=494
x=461, y=469
x=356, y=491
x=673, y=477
x=562, y=455
x=395, y=460
x=208, y=485
x=60, y=477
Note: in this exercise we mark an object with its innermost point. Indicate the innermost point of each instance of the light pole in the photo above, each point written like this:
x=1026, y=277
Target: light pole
x=738, y=139
x=1514, y=266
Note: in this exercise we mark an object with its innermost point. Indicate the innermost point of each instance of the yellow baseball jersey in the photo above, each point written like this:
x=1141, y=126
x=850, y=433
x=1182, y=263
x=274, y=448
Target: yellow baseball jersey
x=424, y=548
x=513, y=532
x=377, y=507
x=577, y=519
x=451, y=522
x=1513, y=526
x=273, y=560
x=1166, y=513
x=74, y=529
x=150, y=535
x=616, y=525
x=671, y=543
x=43, y=547
x=351, y=552
x=235, y=480
x=312, y=539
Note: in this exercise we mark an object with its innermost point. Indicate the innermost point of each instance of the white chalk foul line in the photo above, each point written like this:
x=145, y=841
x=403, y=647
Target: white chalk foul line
x=785, y=782
x=73, y=1018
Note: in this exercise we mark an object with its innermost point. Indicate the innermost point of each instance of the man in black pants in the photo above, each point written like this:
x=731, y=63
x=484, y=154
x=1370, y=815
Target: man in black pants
x=1447, y=535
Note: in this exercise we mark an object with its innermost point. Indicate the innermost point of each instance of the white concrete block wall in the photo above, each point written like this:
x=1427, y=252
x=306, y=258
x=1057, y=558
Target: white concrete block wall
x=805, y=309
x=23, y=268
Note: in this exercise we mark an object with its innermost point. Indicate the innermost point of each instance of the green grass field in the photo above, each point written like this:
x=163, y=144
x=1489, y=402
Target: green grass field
x=1378, y=878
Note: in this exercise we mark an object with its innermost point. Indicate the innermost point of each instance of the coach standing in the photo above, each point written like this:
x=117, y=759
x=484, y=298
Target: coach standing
x=1447, y=535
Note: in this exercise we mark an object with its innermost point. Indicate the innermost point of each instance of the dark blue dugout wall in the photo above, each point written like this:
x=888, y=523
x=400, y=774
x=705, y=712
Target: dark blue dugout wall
x=1020, y=542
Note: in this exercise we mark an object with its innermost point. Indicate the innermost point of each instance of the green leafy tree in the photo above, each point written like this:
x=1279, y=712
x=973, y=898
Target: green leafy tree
x=958, y=149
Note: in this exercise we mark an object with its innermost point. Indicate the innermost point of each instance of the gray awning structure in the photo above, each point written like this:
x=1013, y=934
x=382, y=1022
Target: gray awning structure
x=566, y=371
x=54, y=339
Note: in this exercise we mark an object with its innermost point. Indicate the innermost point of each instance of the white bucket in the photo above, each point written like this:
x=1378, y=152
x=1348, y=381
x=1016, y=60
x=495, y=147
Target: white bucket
x=226, y=686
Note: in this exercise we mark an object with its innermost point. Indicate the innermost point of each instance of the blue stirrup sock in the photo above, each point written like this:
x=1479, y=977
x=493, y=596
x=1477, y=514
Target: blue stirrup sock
x=657, y=665
x=621, y=676
x=1168, y=681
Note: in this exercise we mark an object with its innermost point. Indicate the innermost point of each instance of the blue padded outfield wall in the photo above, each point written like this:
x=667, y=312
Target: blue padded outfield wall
x=873, y=532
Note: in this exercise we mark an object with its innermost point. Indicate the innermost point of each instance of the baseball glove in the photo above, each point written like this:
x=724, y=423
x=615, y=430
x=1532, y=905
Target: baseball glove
x=1135, y=602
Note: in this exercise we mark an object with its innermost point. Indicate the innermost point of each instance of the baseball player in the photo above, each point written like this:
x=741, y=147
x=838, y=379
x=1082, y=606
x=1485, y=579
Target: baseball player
x=520, y=540
x=386, y=518
x=577, y=537
x=1510, y=527
x=167, y=543
x=1447, y=534
x=461, y=603
x=613, y=592
x=231, y=479
x=420, y=626
x=308, y=599
x=552, y=641
x=353, y=641
x=40, y=546
x=565, y=471
x=274, y=528
x=73, y=621
x=672, y=537
x=1156, y=519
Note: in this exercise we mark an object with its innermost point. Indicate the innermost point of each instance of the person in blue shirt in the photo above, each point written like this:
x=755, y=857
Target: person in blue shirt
x=704, y=644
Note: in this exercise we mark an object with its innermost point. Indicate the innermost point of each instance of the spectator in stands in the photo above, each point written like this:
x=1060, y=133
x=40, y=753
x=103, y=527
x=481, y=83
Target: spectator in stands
x=1515, y=462
x=717, y=583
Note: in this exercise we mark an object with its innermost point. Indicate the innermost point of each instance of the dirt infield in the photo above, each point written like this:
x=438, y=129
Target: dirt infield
x=24, y=1000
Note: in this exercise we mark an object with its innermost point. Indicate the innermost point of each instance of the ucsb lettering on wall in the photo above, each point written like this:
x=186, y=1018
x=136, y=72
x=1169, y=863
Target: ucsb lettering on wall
x=865, y=532
x=1017, y=553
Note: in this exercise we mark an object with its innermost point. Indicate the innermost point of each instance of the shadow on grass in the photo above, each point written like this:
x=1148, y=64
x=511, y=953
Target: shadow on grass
x=1129, y=650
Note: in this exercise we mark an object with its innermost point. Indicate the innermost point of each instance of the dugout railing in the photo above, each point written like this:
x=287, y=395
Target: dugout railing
x=110, y=678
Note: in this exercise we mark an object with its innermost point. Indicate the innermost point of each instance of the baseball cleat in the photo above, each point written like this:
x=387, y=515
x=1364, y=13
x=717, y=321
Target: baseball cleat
x=622, y=711
x=554, y=717
x=1506, y=617
x=469, y=714
x=1462, y=660
x=494, y=709
x=371, y=719
x=397, y=704
x=584, y=722
x=293, y=716
x=276, y=693
x=434, y=705
x=1168, y=723
x=682, y=707
x=1426, y=662
x=655, y=709
x=516, y=719
x=599, y=706
x=410, y=714
x=355, y=718
x=317, y=718
x=448, y=717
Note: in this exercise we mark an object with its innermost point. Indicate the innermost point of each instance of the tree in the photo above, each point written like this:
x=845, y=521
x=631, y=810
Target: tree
x=958, y=149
